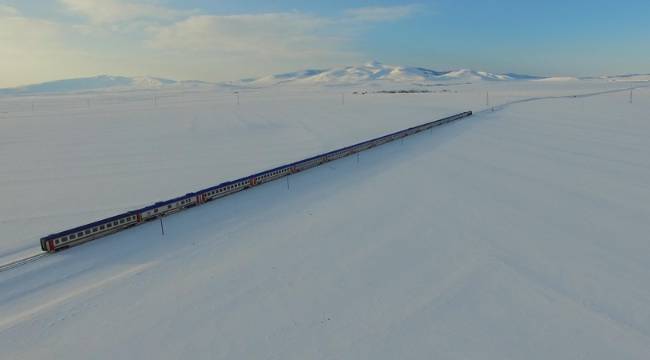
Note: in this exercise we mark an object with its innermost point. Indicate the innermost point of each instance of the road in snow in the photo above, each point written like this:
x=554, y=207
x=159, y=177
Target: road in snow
x=515, y=234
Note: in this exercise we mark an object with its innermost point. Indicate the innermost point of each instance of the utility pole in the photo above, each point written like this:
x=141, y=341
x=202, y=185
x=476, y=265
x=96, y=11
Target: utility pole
x=288, y=181
x=162, y=228
x=487, y=98
x=631, y=90
x=237, y=95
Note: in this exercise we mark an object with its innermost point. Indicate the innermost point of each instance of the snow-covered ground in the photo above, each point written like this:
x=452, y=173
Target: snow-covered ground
x=518, y=233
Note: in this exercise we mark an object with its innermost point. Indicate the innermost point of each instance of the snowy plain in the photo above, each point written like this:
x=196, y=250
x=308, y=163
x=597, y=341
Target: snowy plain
x=518, y=233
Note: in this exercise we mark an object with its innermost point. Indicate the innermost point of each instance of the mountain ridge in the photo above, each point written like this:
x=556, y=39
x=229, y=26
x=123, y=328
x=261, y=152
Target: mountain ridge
x=370, y=73
x=99, y=83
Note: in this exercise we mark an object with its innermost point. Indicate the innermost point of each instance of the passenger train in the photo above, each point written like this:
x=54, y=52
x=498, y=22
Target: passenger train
x=100, y=228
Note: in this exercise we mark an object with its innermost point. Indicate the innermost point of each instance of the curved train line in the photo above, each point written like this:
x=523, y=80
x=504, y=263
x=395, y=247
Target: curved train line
x=552, y=97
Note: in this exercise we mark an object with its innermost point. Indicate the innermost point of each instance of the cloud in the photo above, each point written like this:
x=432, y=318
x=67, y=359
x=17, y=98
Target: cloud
x=6, y=11
x=28, y=45
x=288, y=34
x=381, y=14
x=262, y=34
x=142, y=37
x=115, y=11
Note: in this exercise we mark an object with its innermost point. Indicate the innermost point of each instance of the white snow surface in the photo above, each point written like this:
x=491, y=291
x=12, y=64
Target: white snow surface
x=516, y=233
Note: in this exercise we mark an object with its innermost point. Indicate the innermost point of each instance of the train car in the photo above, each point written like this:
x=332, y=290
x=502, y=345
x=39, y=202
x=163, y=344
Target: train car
x=94, y=230
x=90, y=231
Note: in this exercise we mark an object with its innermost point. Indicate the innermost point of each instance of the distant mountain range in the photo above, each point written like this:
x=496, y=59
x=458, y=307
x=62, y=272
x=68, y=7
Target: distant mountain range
x=371, y=73
x=376, y=71
x=101, y=82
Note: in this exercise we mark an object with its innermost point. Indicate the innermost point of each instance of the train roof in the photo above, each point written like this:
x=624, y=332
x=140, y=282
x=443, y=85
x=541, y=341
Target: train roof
x=189, y=195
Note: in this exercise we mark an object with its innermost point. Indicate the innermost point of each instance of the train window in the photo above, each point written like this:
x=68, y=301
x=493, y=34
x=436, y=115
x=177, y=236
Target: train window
x=155, y=211
x=101, y=227
x=87, y=232
x=109, y=225
x=56, y=241
x=169, y=206
x=72, y=237
x=80, y=233
x=114, y=222
x=95, y=230
x=122, y=221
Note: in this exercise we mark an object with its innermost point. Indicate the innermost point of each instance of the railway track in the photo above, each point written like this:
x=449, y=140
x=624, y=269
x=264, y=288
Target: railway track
x=16, y=263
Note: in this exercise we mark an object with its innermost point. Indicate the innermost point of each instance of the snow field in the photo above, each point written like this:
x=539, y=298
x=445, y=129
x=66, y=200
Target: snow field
x=515, y=234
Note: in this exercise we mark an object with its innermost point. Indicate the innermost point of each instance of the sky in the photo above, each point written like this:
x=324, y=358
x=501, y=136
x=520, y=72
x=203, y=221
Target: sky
x=219, y=40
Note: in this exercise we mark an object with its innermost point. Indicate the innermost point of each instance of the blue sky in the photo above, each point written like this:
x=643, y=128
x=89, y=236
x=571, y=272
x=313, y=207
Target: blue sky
x=226, y=40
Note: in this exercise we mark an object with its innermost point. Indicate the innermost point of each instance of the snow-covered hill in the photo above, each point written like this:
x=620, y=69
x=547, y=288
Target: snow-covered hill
x=376, y=71
x=99, y=83
x=349, y=75
x=373, y=73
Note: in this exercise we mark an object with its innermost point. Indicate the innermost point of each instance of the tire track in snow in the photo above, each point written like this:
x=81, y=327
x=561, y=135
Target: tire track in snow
x=29, y=314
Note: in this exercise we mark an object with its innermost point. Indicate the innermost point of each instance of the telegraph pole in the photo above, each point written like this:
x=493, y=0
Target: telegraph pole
x=631, y=90
x=487, y=98
x=162, y=228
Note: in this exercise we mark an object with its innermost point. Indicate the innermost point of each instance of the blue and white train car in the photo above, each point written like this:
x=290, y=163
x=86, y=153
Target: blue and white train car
x=100, y=228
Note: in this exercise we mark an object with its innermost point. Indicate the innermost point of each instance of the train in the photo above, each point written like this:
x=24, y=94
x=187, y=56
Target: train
x=84, y=233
